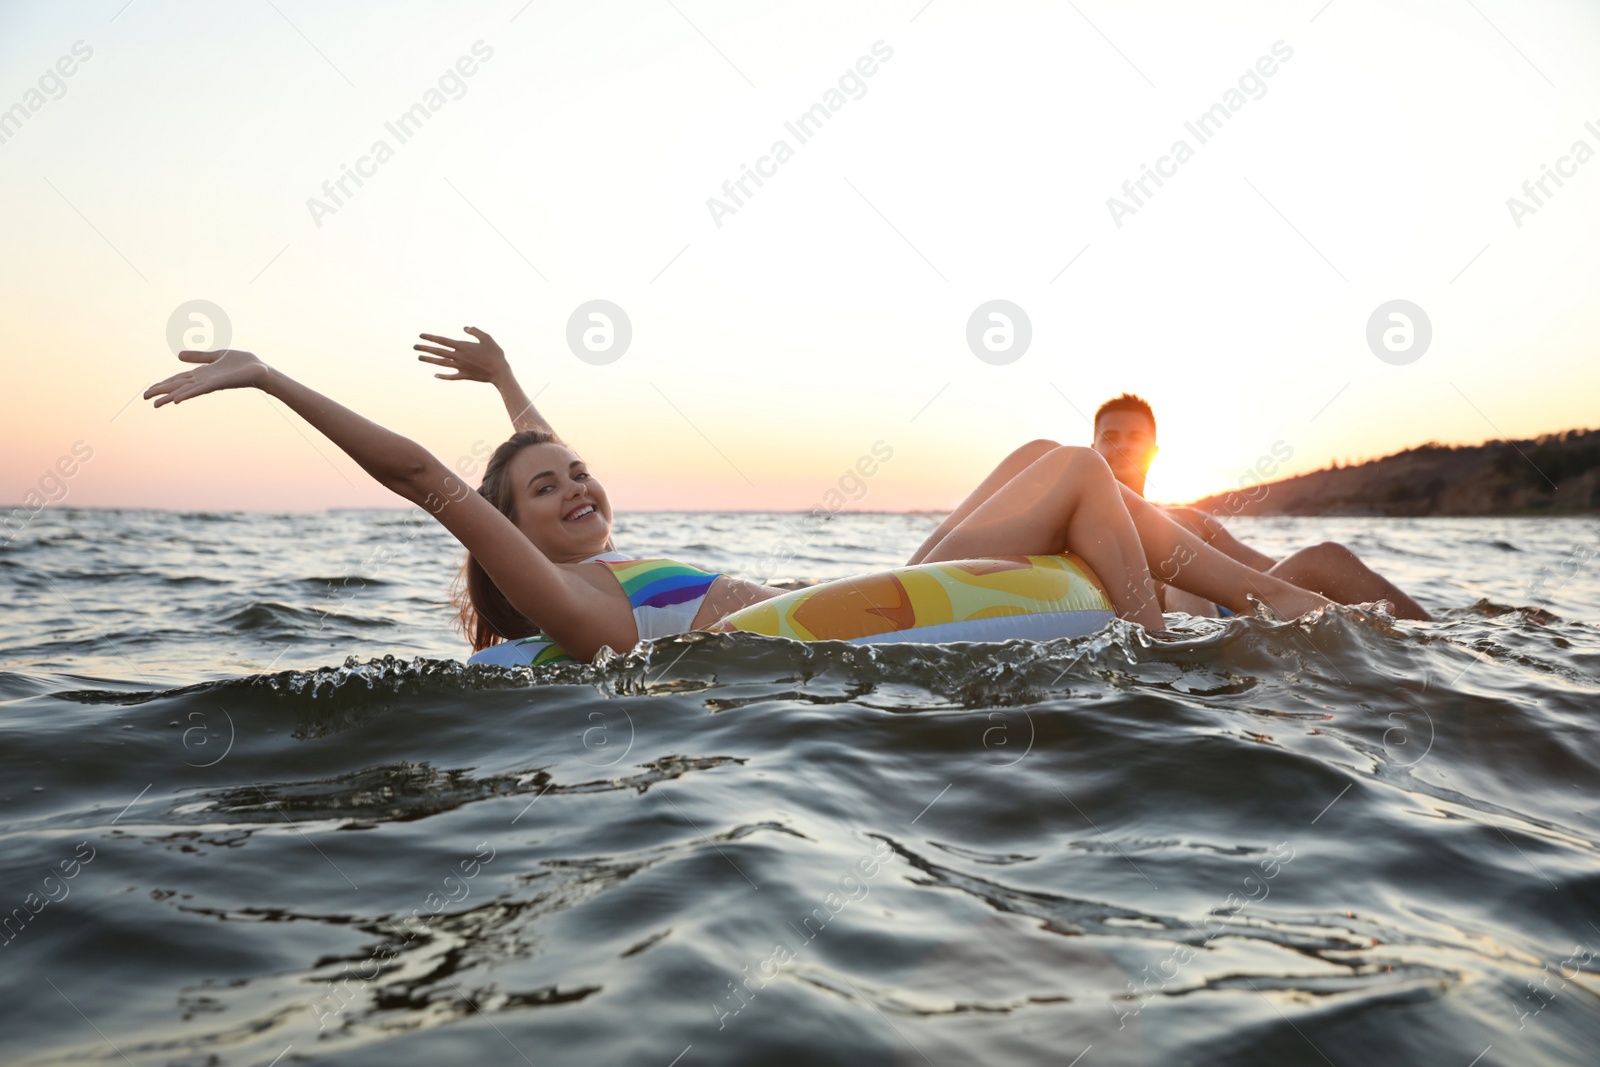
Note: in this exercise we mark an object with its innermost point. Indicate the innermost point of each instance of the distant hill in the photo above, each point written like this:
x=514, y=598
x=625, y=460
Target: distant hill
x=1495, y=478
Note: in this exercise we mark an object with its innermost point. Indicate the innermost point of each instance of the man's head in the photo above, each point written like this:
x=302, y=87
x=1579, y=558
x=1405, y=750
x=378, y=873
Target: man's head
x=1125, y=435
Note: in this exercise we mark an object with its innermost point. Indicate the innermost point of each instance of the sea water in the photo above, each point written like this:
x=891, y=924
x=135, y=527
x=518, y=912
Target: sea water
x=253, y=810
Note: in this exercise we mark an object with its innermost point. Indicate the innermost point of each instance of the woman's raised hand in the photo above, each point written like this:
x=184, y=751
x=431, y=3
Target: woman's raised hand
x=227, y=368
x=483, y=361
x=472, y=361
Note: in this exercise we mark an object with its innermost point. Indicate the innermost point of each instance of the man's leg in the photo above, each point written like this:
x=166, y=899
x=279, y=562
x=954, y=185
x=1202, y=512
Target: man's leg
x=1009, y=468
x=1175, y=599
x=1068, y=501
x=1064, y=501
x=1338, y=574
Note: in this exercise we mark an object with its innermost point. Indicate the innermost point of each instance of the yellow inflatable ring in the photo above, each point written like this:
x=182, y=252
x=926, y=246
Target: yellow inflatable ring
x=1033, y=597
x=1036, y=598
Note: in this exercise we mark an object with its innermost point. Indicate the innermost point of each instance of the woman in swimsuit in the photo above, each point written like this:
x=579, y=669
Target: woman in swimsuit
x=538, y=531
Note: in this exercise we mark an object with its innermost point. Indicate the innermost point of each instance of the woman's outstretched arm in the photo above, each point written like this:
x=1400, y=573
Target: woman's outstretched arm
x=484, y=360
x=558, y=601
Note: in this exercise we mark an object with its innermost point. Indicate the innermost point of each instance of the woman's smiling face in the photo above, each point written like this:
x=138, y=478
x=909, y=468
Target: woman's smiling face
x=560, y=506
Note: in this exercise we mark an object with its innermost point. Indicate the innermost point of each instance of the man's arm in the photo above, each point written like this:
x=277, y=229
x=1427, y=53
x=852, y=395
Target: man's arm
x=484, y=360
x=1214, y=534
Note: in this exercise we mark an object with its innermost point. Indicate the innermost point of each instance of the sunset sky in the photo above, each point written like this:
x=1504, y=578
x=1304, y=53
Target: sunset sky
x=775, y=343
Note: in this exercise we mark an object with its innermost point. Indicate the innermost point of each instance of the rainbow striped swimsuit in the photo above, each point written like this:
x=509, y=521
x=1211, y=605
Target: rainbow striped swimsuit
x=665, y=594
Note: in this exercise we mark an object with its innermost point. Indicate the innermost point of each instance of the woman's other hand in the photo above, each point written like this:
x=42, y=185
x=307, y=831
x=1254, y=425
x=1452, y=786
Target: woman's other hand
x=227, y=368
x=482, y=360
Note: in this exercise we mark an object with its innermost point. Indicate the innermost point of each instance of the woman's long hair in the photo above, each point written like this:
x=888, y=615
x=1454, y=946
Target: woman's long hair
x=483, y=614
